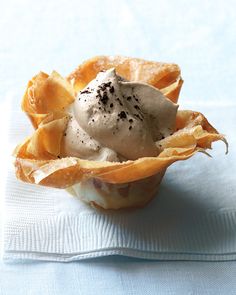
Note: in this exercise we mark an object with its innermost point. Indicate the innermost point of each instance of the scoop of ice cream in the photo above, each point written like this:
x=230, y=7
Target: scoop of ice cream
x=113, y=118
x=78, y=143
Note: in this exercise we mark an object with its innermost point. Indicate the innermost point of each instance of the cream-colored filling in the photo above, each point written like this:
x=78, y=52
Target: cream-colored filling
x=113, y=119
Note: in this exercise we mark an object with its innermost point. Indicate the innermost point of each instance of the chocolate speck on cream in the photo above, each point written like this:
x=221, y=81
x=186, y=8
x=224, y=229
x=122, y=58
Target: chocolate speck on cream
x=122, y=115
x=112, y=89
x=85, y=91
x=136, y=113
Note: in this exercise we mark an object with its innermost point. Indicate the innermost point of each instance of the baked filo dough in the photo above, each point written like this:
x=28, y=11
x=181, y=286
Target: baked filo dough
x=39, y=159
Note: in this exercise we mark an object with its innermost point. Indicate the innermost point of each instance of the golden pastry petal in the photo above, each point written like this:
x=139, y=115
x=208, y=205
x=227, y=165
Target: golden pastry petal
x=46, y=94
x=46, y=141
x=157, y=74
x=172, y=91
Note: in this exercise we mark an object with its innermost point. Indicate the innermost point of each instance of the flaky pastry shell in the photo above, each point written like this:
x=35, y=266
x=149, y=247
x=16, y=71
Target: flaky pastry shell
x=39, y=160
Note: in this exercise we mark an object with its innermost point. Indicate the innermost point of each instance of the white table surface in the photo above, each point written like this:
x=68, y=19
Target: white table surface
x=58, y=35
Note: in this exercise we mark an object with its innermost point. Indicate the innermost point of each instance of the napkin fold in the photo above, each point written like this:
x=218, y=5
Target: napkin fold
x=193, y=217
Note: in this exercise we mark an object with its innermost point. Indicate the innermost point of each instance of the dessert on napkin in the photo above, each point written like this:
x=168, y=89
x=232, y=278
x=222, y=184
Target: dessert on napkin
x=108, y=132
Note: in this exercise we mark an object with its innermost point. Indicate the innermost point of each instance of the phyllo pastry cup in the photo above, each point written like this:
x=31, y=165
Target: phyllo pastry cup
x=110, y=185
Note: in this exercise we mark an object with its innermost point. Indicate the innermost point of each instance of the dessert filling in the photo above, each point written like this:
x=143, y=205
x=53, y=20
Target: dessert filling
x=113, y=119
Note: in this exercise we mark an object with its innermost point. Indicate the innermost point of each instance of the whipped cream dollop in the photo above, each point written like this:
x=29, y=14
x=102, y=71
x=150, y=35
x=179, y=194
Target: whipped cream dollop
x=114, y=120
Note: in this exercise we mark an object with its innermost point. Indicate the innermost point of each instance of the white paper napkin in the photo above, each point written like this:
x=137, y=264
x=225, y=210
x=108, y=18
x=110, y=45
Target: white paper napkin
x=192, y=218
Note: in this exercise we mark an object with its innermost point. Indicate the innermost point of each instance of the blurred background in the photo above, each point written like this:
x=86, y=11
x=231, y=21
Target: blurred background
x=198, y=35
